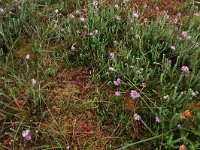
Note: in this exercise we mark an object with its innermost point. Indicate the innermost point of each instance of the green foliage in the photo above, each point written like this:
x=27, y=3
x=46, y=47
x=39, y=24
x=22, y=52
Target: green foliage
x=114, y=44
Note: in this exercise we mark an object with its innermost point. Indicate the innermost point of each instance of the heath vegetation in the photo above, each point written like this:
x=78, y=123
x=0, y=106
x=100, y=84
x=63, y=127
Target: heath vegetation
x=99, y=74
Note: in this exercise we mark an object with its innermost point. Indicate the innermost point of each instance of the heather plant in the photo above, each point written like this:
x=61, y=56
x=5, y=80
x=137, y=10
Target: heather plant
x=145, y=73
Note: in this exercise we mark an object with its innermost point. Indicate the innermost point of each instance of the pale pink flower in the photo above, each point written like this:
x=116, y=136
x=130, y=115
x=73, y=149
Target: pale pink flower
x=118, y=18
x=117, y=82
x=179, y=39
x=185, y=69
x=145, y=6
x=169, y=61
x=27, y=56
x=112, y=55
x=143, y=85
x=179, y=14
x=157, y=119
x=95, y=2
x=82, y=19
x=184, y=34
x=117, y=93
x=67, y=147
x=1, y=11
x=179, y=125
x=73, y=48
x=134, y=94
x=157, y=8
x=198, y=28
x=26, y=135
x=135, y=15
x=137, y=117
x=33, y=81
x=188, y=37
x=137, y=36
x=196, y=14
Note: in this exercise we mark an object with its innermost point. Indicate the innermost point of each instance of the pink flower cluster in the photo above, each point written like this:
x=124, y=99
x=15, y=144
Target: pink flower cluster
x=184, y=34
x=134, y=94
x=185, y=69
x=117, y=93
x=117, y=82
x=26, y=135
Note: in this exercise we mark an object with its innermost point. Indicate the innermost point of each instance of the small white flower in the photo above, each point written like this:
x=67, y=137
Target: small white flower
x=141, y=69
x=173, y=48
x=125, y=1
x=67, y=147
x=96, y=32
x=56, y=11
x=116, y=6
x=188, y=37
x=71, y=16
x=112, y=55
x=166, y=97
x=27, y=56
x=90, y=34
x=33, y=81
x=111, y=69
x=193, y=93
x=82, y=19
x=157, y=8
x=55, y=23
x=118, y=18
x=179, y=125
x=62, y=30
x=179, y=14
x=196, y=44
x=137, y=117
x=73, y=48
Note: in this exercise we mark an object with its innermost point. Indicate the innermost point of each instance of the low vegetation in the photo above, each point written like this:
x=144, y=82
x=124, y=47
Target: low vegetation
x=99, y=74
